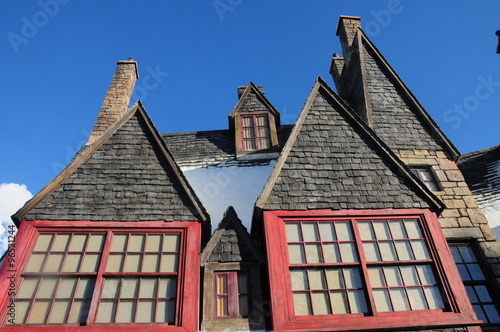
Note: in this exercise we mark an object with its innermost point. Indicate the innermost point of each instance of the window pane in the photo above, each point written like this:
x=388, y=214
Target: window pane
x=119, y=242
x=106, y=312
x=111, y=288
x=467, y=254
x=366, y=230
x=344, y=232
x=115, y=262
x=320, y=303
x=426, y=275
x=85, y=288
x=480, y=313
x=28, y=288
x=475, y=272
x=413, y=229
x=151, y=262
x=126, y=312
x=492, y=313
x=417, y=298
x=35, y=263
x=132, y=263
x=78, y=242
x=54, y=263
x=145, y=311
x=72, y=263
x=171, y=242
x=464, y=273
x=221, y=282
x=310, y=232
x=222, y=305
x=130, y=287
x=296, y=254
x=153, y=242
x=348, y=252
x=67, y=287
x=148, y=288
x=387, y=250
x=47, y=288
x=399, y=301
x=472, y=294
x=335, y=279
x=95, y=243
x=410, y=276
x=302, y=304
x=483, y=294
x=404, y=250
x=433, y=297
x=392, y=276
x=166, y=311
x=243, y=305
x=331, y=253
x=59, y=312
x=39, y=312
x=420, y=250
x=43, y=242
x=382, y=300
x=169, y=263
x=376, y=277
x=339, y=302
x=352, y=278
x=357, y=301
x=316, y=279
x=168, y=287
x=456, y=254
x=299, y=280
x=327, y=232
x=381, y=230
x=372, y=253
x=313, y=253
x=60, y=242
x=397, y=229
x=293, y=233
x=136, y=242
x=242, y=282
x=90, y=263
x=22, y=308
x=79, y=311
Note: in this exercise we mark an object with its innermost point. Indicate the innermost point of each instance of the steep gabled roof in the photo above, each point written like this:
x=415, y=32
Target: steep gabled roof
x=231, y=243
x=481, y=170
x=386, y=103
x=333, y=160
x=127, y=174
x=253, y=100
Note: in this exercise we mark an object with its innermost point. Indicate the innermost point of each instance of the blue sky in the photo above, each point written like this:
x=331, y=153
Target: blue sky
x=60, y=55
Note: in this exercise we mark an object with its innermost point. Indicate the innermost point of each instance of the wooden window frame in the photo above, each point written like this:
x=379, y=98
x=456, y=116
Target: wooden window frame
x=255, y=130
x=459, y=312
x=187, y=282
x=239, y=132
x=415, y=169
x=233, y=294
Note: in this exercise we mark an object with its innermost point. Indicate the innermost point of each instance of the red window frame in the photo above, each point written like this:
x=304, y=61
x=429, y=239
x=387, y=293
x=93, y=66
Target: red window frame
x=234, y=294
x=255, y=138
x=458, y=312
x=187, y=273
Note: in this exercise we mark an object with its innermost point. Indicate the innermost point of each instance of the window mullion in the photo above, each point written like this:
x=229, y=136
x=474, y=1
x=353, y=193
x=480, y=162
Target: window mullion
x=255, y=131
x=364, y=266
x=99, y=280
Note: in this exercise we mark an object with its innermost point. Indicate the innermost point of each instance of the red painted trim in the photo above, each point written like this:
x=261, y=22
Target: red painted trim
x=188, y=281
x=283, y=318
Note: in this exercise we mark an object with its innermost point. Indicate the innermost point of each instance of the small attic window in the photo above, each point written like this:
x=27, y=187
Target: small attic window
x=255, y=132
x=426, y=175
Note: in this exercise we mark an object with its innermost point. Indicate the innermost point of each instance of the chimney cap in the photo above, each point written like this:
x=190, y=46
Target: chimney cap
x=341, y=19
x=128, y=62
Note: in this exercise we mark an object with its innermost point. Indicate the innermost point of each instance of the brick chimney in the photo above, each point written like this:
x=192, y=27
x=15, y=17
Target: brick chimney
x=346, y=30
x=117, y=98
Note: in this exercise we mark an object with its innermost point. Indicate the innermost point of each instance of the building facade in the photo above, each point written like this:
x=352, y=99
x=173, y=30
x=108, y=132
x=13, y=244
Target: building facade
x=354, y=218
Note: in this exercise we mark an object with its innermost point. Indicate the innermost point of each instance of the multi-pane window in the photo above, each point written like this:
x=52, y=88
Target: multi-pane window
x=386, y=268
x=476, y=283
x=427, y=177
x=231, y=294
x=111, y=276
x=256, y=134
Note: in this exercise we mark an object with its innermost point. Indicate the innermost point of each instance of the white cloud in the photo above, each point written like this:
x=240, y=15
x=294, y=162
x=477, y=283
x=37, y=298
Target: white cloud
x=12, y=197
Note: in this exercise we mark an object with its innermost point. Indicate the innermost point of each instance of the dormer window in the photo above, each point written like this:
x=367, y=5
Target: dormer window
x=254, y=123
x=256, y=134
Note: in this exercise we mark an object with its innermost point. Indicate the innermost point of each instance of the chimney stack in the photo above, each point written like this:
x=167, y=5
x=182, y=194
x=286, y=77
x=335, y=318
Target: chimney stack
x=117, y=98
x=336, y=67
x=346, y=30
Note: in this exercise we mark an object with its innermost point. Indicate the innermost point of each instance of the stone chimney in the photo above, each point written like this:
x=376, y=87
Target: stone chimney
x=117, y=98
x=346, y=30
x=336, y=68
